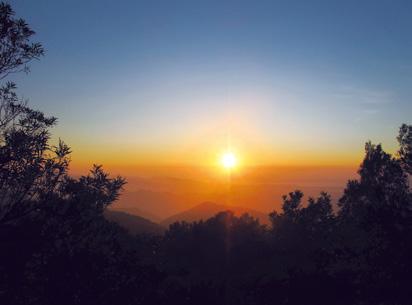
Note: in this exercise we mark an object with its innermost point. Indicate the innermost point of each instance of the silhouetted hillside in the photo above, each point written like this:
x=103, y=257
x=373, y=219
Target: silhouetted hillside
x=131, y=209
x=207, y=210
x=133, y=223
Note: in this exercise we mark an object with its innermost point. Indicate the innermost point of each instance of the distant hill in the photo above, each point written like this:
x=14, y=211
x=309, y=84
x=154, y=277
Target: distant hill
x=133, y=223
x=132, y=210
x=207, y=210
x=158, y=203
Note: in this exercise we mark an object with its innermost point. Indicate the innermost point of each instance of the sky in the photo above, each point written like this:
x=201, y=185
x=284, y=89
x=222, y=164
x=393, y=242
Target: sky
x=176, y=82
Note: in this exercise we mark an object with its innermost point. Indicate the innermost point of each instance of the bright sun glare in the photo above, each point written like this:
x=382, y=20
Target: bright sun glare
x=228, y=160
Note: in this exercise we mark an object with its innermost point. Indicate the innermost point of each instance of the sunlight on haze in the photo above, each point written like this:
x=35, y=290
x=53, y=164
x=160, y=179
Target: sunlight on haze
x=228, y=160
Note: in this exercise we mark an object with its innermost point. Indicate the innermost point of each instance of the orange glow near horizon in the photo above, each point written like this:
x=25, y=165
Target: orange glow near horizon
x=129, y=159
x=203, y=141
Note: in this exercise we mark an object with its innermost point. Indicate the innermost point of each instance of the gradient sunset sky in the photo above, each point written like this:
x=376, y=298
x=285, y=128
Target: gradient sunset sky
x=172, y=82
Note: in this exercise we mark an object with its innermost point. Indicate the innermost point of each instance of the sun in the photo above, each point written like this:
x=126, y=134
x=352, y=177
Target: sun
x=228, y=160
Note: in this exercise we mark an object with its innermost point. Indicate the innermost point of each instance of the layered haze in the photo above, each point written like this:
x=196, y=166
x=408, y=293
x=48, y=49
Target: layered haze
x=161, y=192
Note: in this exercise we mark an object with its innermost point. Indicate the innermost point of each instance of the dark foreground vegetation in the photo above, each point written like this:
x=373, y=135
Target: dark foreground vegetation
x=57, y=248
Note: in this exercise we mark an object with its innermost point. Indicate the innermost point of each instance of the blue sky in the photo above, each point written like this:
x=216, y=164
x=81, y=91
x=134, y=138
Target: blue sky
x=285, y=77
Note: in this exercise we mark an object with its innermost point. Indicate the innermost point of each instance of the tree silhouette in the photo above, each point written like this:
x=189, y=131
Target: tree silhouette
x=375, y=222
x=29, y=166
x=405, y=146
x=16, y=49
x=52, y=228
